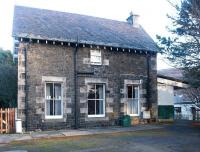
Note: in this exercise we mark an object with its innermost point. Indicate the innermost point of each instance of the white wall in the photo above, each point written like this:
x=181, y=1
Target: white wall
x=165, y=94
x=186, y=112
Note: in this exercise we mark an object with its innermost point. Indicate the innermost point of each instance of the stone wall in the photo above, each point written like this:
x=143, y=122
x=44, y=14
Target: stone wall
x=47, y=62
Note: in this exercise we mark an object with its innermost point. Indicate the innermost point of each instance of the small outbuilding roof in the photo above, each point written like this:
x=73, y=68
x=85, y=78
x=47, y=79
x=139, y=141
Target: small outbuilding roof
x=44, y=24
x=171, y=74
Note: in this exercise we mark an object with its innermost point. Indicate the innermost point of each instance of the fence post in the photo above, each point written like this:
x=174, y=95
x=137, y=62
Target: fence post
x=10, y=123
x=9, y=119
x=13, y=119
x=1, y=120
x=6, y=120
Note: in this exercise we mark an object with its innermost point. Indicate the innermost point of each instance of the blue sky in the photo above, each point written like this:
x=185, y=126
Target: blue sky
x=152, y=14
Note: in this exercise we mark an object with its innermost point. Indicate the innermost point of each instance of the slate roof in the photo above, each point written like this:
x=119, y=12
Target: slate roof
x=61, y=26
x=172, y=73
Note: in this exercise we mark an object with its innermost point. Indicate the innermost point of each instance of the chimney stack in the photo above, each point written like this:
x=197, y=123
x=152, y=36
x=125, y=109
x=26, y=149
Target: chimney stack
x=133, y=20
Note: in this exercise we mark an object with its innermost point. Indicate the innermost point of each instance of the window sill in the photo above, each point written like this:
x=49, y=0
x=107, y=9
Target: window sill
x=96, y=119
x=54, y=117
x=133, y=114
x=96, y=116
x=96, y=63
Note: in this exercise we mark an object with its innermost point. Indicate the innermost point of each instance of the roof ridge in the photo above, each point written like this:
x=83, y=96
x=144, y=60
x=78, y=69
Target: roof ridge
x=61, y=11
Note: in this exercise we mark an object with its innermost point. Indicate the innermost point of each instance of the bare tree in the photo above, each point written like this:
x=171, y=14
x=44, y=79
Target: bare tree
x=193, y=94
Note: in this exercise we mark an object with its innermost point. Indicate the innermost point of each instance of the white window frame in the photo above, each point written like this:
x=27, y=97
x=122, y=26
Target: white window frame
x=54, y=116
x=97, y=115
x=95, y=53
x=138, y=99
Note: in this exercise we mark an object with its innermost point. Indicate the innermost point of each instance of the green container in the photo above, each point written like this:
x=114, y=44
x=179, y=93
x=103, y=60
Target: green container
x=166, y=112
x=125, y=121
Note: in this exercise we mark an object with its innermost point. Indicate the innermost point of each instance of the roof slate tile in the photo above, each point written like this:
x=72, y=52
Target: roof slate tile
x=61, y=26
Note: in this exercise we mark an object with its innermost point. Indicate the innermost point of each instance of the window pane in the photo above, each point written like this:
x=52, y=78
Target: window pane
x=129, y=91
x=49, y=90
x=96, y=105
x=132, y=106
x=96, y=59
x=135, y=106
x=57, y=91
x=53, y=105
x=91, y=91
x=92, y=59
x=95, y=56
x=99, y=107
x=99, y=91
x=95, y=53
x=136, y=92
x=129, y=107
x=91, y=107
x=49, y=106
x=57, y=107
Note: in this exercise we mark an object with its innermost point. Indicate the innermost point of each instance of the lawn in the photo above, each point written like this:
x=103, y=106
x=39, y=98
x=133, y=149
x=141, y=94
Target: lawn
x=169, y=139
x=104, y=142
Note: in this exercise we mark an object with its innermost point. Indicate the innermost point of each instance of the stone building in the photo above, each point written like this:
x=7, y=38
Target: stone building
x=82, y=71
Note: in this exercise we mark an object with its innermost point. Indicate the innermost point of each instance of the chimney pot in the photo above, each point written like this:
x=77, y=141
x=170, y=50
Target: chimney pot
x=133, y=20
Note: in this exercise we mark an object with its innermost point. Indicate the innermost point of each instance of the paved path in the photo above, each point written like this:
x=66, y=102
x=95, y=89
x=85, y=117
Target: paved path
x=7, y=138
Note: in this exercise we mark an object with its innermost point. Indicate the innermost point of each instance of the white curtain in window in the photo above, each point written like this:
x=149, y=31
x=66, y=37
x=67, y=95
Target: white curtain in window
x=99, y=106
x=91, y=91
x=49, y=92
x=57, y=91
x=136, y=91
x=99, y=91
x=135, y=106
x=48, y=107
x=129, y=107
x=58, y=107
